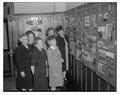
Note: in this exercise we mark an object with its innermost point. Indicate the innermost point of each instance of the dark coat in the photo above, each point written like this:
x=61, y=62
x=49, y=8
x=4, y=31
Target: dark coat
x=39, y=59
x=31, y=48
x=61, y=45
x=22, y=56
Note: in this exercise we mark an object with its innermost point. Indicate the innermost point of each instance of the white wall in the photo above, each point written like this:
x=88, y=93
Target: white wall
x=44, y=7
x=48, y=7
x=70, y=5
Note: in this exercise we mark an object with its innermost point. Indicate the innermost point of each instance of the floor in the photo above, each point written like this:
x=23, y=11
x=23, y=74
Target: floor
x=10, y=86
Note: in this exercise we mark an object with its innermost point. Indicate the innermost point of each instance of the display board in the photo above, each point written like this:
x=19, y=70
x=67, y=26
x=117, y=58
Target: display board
x=90, y=36
x=106, y=42
x=92, y=31
x=71, y=28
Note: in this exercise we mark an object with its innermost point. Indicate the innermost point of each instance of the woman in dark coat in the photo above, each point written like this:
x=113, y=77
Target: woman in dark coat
x=31, y=37
x=62, y=43
x=24, y=74
x=39, y=59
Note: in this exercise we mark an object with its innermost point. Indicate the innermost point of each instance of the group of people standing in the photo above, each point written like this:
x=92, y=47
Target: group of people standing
x=42, y=64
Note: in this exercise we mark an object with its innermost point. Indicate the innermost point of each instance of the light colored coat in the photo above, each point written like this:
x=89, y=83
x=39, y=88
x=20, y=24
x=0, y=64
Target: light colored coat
x=55, y=67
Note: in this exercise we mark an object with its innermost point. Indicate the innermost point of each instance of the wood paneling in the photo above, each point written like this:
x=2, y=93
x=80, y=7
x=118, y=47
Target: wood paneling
x=95, y=82
x=103, y=85
x=6, y=62
x=88, y=79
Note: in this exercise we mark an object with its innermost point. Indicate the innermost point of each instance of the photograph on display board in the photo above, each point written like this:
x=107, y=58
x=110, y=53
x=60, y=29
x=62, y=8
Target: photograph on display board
x=89, y=43
x=110, y=31
x=106, y=58
x=92, y=43
x=93, y=20
x=87, y=21
x=85, y=40
x=90, y=57
x=89, y=60
x=102, y=32
x=93, y=31
x=105, y=45
x=106, y=66
x=103, y=54
x=72, y=47
x=33, y=23
x=78, y=47
x=100, y=68
x=106, y=73
x=90, y=21
x=104, y=17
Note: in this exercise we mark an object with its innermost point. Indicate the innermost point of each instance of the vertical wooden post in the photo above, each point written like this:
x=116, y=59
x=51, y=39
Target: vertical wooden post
x=108, y=87
x=81, y=74
x=10, y=30
x=85, y=78
x=91, y=80
x=98, y=84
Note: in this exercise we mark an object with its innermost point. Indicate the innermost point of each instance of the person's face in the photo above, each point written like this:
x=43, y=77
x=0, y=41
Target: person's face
x=39, y=44
x=53, y=42
x=36, y=34
x=51, y=33
x=61, y=33
x=30, y=38
x=24, y=40
x=40, y=34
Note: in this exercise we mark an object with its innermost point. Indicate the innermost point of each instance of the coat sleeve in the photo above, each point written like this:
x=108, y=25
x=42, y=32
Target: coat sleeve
x=50, y=58
x=45, y=54
x=33, y=58
x=67, y=39
x=18, y=55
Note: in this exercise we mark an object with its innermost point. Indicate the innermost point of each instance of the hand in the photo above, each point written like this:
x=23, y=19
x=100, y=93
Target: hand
x=47, y=73
x=62, y=60
x=23, y=74
x=46, y=69
x=33, y=69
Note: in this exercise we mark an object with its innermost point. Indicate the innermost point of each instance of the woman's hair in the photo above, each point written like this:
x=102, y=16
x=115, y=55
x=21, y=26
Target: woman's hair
x=30, y=32
x=50, y=38
x=21, y=36
x=39, y=30
x=58, y=28
x=36, y=40
x=19, y=43
x=48, y=30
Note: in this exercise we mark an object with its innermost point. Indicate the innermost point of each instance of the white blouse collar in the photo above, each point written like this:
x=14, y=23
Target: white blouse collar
x=53, y=47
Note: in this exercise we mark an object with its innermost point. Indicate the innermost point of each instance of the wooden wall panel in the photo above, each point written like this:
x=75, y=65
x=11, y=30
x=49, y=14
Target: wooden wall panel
x=88, y=79
x=83, y=78
x=49, y=20
x=103, y=85
x=95, y=82
x=6, y=62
